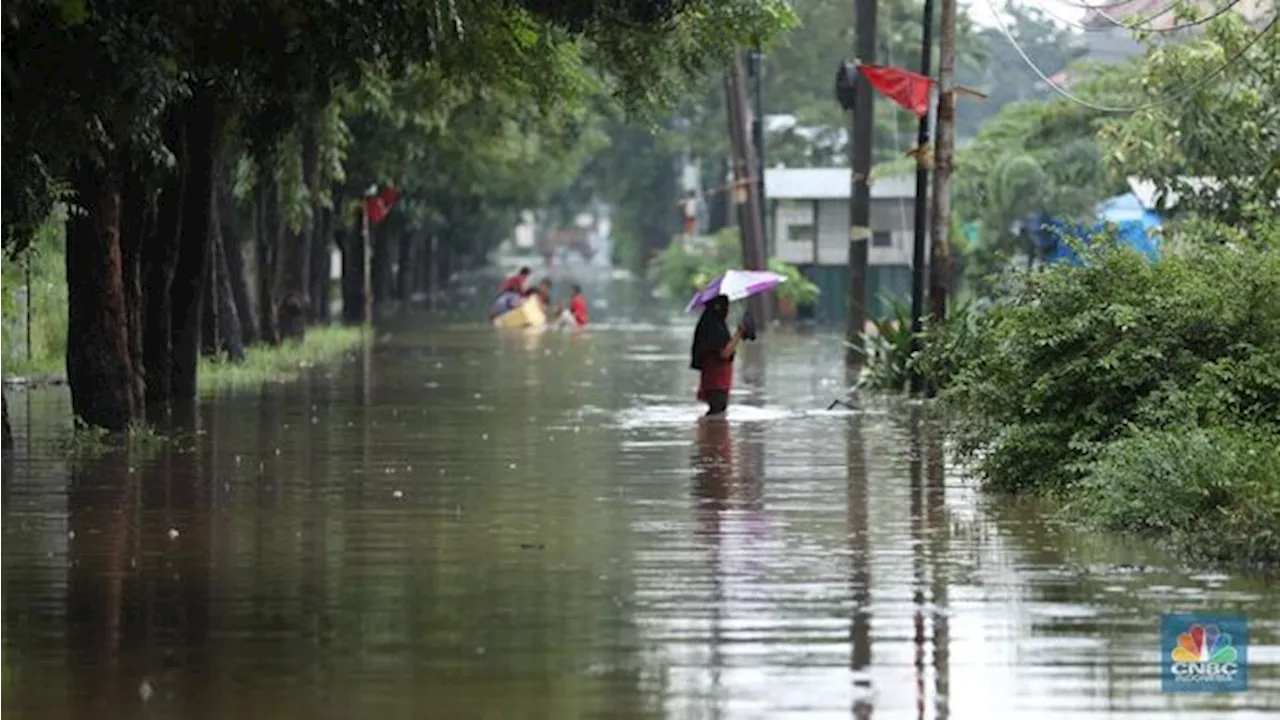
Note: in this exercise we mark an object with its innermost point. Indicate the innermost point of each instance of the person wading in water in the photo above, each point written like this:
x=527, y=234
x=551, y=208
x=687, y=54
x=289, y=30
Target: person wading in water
x=713, y=351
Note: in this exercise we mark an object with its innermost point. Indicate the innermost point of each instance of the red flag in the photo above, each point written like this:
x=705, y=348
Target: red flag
x=908, y=89
x=378, y=206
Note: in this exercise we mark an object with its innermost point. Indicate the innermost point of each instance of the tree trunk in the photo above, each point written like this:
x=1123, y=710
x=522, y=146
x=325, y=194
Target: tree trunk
x=136, y=218
x=295, y=257
x=159, y=254
x=187, y=292
x=404, y=266
x=232, y=245
x=354, y=252
x=321, y=242
x=99, y=367
x=381, y=270
x=230, y=339
x=8, y=429
x=210, y=331
x=269, y=227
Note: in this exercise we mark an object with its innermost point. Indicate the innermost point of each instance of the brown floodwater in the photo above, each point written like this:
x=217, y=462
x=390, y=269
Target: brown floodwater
x=459, y=523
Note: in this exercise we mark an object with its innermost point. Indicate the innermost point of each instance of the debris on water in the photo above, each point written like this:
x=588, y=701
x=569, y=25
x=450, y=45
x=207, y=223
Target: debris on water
x=71, y=534
x=389, y=471
x=237, y=459
x=484, y=436
x=477, y=396
x=397, y=494
x=145, y=691
x=439, y=365
x=277, y=451
x=431, y=385
x=173, y=533
x=480, y=650
x=512, y=466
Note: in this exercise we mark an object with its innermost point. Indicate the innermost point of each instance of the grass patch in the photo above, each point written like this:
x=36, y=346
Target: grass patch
x=35, y=285
x=90, y=443
x=263, y=364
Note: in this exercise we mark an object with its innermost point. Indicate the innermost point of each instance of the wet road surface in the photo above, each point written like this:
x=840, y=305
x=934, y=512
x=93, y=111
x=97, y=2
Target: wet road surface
x=456, y=523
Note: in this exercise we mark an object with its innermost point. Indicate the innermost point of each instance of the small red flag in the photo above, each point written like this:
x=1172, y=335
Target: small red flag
x=377, y=207
x=909, y=89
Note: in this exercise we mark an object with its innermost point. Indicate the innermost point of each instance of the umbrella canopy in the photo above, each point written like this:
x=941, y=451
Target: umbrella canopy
x=736, y=284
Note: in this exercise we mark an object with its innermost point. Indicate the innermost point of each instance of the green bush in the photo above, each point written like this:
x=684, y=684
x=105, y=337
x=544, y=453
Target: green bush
x=1213, y=494
x=942, y=347
x=1076, y=356
x=683, y=270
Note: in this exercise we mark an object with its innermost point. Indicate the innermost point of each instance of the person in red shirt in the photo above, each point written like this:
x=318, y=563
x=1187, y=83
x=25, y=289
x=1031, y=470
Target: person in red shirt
x=578, y=306
x=516, y=283
x=712, y=355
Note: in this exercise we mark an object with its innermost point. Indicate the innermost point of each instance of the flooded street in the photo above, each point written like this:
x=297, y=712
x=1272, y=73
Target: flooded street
x=457, y=523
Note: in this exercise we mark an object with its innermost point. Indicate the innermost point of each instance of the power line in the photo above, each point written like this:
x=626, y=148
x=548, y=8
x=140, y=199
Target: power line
x=1004, y=30
x=1138, y=25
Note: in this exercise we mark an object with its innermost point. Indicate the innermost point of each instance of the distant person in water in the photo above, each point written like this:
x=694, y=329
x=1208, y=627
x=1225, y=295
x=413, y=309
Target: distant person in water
x=517, y=282
x=542, y=291
x=577, y=307
x=506, y=302
x=712, y=354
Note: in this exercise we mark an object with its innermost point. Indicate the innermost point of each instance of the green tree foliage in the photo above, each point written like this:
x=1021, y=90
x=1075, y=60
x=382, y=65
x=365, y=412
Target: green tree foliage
x=999, y=71
x=1210, y=140
x=474, y=109
x=1037, y=159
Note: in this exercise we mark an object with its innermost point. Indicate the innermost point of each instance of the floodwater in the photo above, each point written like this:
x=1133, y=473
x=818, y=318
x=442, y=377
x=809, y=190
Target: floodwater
x=456, y=523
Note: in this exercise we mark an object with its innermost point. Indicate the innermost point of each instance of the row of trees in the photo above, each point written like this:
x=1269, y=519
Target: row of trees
x=177, y=133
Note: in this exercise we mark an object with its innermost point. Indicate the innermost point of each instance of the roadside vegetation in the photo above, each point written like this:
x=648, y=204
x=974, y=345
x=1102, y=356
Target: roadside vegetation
x=283, y=362
x=35, y=287
x=685, y=267
x=1141, y=395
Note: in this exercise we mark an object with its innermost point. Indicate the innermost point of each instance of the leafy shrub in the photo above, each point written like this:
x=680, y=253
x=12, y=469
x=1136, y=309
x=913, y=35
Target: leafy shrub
x=1211, y=493
x=683, y=270
x=1076, y=355
x=891, y=357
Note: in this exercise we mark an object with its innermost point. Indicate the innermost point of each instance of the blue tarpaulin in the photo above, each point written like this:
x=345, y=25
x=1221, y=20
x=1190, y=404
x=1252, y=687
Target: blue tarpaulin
x=1136, y=227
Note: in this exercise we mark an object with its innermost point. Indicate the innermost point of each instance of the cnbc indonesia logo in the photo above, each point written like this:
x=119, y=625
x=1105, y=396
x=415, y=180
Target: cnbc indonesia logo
x=1204, y=656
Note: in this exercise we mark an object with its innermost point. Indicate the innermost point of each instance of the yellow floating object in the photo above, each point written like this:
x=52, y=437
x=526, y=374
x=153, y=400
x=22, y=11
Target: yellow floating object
x=528, y=314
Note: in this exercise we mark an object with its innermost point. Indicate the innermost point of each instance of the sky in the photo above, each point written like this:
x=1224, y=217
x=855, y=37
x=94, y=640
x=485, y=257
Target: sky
x=1067, y=12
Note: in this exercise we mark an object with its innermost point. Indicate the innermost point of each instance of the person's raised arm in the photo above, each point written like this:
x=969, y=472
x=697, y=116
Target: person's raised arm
x=732, y=346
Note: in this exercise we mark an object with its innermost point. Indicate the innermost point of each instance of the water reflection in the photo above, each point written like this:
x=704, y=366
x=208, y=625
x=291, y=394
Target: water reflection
x=858, y=496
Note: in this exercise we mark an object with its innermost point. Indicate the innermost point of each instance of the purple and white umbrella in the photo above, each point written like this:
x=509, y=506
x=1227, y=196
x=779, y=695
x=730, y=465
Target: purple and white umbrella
x=736, y=284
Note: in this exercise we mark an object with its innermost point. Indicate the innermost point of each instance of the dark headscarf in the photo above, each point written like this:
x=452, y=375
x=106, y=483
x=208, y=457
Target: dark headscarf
x=712, y=333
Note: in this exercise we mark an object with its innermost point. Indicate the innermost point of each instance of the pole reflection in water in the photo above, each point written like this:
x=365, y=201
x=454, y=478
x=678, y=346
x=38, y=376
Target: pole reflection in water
x=918, y=561
x=939, y=552
x=860, y=572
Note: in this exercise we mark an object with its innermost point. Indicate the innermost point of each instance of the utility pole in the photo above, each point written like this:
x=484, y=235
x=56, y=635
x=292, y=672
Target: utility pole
x=860, y=198
x=747, y=185
x=757, y=133
x=940, y=265
x=921, y=222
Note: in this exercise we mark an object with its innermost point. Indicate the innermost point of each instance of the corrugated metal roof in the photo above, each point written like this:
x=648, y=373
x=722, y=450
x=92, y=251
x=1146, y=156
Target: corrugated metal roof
x=830, y=184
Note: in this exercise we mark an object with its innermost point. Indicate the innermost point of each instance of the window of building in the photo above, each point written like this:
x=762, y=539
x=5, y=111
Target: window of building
x=800, y=233
x=881, y=238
